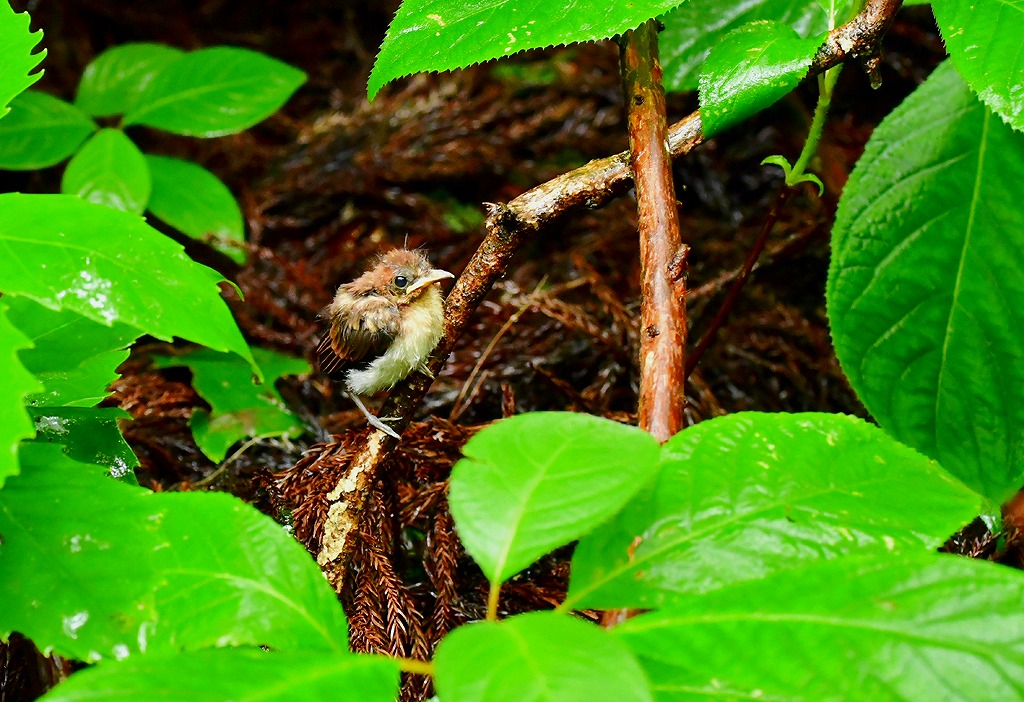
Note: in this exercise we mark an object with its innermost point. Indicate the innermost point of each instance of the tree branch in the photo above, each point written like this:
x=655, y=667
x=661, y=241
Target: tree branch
x=662, y=257
x=591, y=185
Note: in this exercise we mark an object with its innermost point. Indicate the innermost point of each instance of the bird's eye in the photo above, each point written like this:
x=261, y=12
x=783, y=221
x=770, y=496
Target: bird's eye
x=401, y=281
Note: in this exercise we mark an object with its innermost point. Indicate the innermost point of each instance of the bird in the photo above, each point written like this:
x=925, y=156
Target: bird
x=383, y=326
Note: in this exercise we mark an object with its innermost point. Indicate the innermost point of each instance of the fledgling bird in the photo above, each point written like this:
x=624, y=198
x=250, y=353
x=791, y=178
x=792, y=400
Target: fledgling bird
x=383, y=326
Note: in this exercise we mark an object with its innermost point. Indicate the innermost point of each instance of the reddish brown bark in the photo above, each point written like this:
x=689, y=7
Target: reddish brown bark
x=662, y=258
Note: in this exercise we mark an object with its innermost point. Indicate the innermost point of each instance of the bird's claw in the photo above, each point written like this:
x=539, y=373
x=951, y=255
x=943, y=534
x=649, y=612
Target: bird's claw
x=378, y=423
x=373, y=419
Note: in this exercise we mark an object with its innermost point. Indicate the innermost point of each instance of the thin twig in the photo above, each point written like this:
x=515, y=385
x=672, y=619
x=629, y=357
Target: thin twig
x=457, y=407
x=591, y=185
x=234, y=457
x=529, y=301
x=737, y=284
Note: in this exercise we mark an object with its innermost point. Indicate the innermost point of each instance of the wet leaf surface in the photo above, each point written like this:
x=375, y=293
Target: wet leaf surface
x=928, y=239
x=163, y=589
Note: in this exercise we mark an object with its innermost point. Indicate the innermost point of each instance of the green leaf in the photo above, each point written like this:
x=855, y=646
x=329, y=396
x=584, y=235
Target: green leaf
x=89, y=435
x=986, y=51
x=541, y=657
x=109, y=170
x=16, y=45
x=236, y=674
x=240, y=408
x=194, y=201
x=928, y=254
x=111, y=266
x=696, y=26
x=933, y=627
x=97, y=569
x=747, y=495
x=83, y=385
x=536, y=481
x=41, y=131
x=438, y=35
x=15, y=424
x=76, y=358
x=215, y=91
x=113, y=81
x=749, y=70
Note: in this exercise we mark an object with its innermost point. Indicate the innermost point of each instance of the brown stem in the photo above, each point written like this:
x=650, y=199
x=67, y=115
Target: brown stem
x=737, y=284
x=861, y=37
x=662, y=258
x=591, y=185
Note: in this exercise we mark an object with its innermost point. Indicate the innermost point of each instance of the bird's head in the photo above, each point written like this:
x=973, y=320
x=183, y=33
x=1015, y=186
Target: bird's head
x=400, y=275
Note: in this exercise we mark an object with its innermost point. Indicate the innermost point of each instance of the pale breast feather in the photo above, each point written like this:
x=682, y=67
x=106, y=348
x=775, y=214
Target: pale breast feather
x=409, y=350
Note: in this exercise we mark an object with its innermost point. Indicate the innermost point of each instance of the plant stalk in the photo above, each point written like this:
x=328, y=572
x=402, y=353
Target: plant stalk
x=826, y=86
x=411, y=665
x=663, y=281
x=493, y=595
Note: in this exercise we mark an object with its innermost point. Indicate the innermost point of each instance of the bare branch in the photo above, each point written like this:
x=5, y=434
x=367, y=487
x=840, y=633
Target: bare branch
x=662, y=258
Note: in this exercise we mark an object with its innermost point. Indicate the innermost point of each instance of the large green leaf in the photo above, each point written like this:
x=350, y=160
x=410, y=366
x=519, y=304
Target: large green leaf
x=749, y=70
x=215, y=91
x=98, y=569
x=536, y=481
x=747, y=495
x=194, y=201
x=15, y=424
x=41, y=131
x=984, y=44
x=16, y=45
x=438, y=35
x=887, y=630
x=89, y=435
x=110, y=266
x=696, y=26
x=76, y=358
x=240, y=408
x=541, y=657
x=109, y=170
x=927, y=271
x=236, y=674
x=113, y=80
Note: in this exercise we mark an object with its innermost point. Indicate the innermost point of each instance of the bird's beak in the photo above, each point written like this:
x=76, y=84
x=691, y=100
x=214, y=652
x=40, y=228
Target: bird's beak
x=432, y=276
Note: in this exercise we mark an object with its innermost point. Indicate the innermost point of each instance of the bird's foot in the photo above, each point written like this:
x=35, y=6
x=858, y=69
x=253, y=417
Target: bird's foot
x=378, y=423
x=375, y=421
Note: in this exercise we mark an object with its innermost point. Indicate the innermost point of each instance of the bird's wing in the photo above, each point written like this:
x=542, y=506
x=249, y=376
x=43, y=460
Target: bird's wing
x=361, y=329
